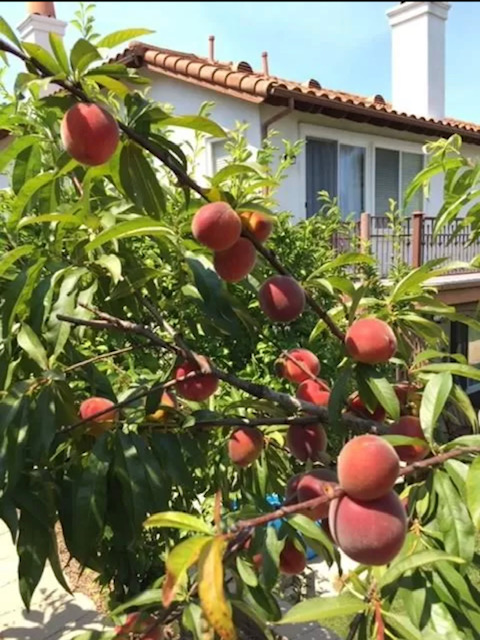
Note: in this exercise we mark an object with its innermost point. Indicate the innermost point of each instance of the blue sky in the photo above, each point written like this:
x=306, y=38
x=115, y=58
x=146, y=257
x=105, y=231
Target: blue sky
x=344, y=45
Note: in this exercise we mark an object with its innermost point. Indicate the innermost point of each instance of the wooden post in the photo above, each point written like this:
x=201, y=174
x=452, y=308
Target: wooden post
x=417, y=237
x=364, y=231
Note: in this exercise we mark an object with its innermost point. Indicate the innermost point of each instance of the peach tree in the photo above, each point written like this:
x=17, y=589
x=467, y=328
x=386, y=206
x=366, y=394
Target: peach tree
x=181, y=369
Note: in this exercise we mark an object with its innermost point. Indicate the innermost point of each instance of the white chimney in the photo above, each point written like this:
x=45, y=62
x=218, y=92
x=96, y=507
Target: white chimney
x=39, y=22
x=418, y=57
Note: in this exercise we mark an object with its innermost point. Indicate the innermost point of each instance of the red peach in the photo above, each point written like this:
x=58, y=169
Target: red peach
x=89, y=134
x=235, y=263
x=217, y=226
x=245, y=446
x=282, y=299
x=355, y=404
x=314, y=391
x=292, y=560
x=313, y=485
x=102, y=423
x=410, y=427
x=197, y=388
x=371, y=341
x=367, y=467
x=287, y=367
x=306, y=442
x=371, y=532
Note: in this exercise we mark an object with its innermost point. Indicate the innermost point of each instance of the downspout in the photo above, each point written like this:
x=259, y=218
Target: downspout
x=277, y=116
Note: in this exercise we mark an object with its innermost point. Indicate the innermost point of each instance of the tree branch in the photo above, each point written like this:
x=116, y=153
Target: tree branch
x=439, y=459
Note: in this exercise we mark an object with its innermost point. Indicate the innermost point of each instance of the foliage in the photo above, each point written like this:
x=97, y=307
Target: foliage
x=160, y=506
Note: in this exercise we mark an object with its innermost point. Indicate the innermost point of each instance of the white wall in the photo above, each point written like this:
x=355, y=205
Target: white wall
x=3, y=178
x=187, y=100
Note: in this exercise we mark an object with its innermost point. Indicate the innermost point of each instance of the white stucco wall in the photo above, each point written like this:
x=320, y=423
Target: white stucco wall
x=3, y=178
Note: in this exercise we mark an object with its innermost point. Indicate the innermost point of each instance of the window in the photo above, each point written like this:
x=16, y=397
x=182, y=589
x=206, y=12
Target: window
x=219, y=155
x=394, y=170
x=338, y=169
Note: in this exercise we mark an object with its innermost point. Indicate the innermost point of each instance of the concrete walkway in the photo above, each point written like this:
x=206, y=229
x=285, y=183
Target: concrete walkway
x=54, y=613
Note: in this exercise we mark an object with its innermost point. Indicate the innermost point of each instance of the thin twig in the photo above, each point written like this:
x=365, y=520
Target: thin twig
x=102, y=356
x=439, y=459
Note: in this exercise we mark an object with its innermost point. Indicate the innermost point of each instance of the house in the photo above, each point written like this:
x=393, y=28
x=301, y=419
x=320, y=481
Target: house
x=364, y=150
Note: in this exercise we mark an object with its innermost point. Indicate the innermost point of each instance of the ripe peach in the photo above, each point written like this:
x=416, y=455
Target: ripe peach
x=291, y=488
x=371, y=341
x=89, y=134
x=245, y=446
x=369, y=532
x=286, y=367
x=138, y=623
x=282, y=299
x=356, y=405
x=235, y=263
x=408, y=394
x=167, y=400
x=314, y=391
x=367, y=467
x=102, y=423
x=306, y=442
x=196, y=388
x=313, y=485
x=257, y=223
x=292, y=560
x=410, y=426
x=217, y=226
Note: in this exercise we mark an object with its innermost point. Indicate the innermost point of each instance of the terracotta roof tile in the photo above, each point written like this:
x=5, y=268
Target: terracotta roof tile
x=239, y=80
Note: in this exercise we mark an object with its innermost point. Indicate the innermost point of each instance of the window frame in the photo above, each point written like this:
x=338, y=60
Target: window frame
x=354, y=138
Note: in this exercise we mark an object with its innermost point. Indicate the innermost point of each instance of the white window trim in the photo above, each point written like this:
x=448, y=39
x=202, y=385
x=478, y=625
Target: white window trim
x=353, y=138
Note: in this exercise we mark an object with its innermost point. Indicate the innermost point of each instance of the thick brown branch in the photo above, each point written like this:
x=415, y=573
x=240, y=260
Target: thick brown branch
x=285, y=400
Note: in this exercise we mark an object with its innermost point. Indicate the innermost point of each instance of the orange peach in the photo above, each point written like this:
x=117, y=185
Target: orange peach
x=313, y=485
x=167, y=400
x=282, y=299
x=235, y=263
x=245, y=446
x=89, y=134
x=371, y=341
x=217, y=226
x=367, y=467
x=259, y=224
x=314, y=391
x=101, y=423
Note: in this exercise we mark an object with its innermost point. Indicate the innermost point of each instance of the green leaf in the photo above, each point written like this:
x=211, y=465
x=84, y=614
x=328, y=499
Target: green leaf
x=473, y=492
x=9, y=33
x=318, y=609
x=179, y=560
x=90, y=500
x=33, y=548
x=402, y=626
x=414, y=279
x=230, y=171
x=12, y=256
x=117, y=37
x=14, y=148
x=463, y=370
x=463, y=441
x=112, y=84
x=50, y=217
x=433, y=401
x=338, y=396
x=130, y=473
x=30, y=343
x=58, y=48
x=415, y=561
x=311, y=530
x=246, y=572
x=141, y=226
x=83, y=53
x=177, y=520
x=398, y=441
x=148, y=597
x=453, y=519
x=26, y=193
x=463, y=402
x=43, y=56
x=204, y=125
x=383, y=391
x=343, y=260
x=140, y=182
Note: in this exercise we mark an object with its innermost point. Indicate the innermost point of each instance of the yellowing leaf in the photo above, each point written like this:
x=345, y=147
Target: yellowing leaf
x=210, y=590
x=178, y=562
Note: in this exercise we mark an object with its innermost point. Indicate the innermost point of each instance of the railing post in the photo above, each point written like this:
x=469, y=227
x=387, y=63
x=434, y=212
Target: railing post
x=364, y=231
x=417, y=233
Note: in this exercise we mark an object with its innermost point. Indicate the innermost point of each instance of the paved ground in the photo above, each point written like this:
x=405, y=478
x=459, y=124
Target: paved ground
x=54, y=614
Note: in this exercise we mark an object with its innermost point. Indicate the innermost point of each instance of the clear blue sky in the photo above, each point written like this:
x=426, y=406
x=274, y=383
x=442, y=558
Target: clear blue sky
x=344, y=45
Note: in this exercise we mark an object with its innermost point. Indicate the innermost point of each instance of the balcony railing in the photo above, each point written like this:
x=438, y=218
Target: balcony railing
x=412, y=244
